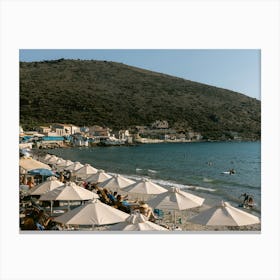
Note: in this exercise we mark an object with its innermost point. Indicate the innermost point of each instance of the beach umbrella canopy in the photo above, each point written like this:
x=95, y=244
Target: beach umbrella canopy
x=137, y=222
x=50, y=184
x=29, y=164
x=224, y=215
x=85, y=171
x=175, y=199
x=60, y=161
x=116, y=183
x=98, y=177
x=92, y=213
x=75, y=166
x=63, y=165
x=46, y=157
x=69, y=192
x=145, y=186
x=42, y=172
x=52, y=160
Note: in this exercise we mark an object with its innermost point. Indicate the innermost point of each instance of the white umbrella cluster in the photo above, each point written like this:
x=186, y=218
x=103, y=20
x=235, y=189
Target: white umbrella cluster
x=95, y=212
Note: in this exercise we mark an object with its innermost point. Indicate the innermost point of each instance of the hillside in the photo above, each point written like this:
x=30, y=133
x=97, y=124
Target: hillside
x=117, y=95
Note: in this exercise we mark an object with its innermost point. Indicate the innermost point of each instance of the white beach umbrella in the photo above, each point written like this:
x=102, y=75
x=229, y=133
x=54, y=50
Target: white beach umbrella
x=98, y=177
x=60, y=161
x=116, y=183
x=68, y=192
x=61, y=166
x=85, y=171
x=145, y=186
x=224, y=215
x=175, y=199
x=75, y=166
x=92, y=213
x=46, y=157
x=50, y=184
x=27, y=164
x=137, y=222
x=52, y=160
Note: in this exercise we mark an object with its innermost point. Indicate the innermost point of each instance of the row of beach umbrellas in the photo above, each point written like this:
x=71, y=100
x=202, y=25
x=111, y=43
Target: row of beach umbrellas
x=223, y=214
x=172, y=199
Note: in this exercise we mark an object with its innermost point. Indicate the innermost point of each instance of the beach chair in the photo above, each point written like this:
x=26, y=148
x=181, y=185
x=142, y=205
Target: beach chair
x=159, y=215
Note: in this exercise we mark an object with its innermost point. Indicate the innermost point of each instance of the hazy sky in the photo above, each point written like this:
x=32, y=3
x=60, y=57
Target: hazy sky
x=237, y=70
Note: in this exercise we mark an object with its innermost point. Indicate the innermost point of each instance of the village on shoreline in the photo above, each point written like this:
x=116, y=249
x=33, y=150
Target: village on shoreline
x=59, y=135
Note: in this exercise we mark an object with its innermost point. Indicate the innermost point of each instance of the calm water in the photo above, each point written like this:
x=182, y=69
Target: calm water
x=183, y=165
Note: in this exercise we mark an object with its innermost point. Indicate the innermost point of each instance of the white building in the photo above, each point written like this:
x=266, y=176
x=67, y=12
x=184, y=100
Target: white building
x=65, y=129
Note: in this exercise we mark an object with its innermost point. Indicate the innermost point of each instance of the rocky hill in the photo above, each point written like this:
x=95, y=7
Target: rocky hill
x=119, y=96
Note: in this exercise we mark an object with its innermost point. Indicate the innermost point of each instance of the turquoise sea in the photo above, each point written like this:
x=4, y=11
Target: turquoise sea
x=195, y=166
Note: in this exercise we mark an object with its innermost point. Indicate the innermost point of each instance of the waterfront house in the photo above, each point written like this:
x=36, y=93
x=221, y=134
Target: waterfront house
x=99, y=131
x=65, y=129
x=44, y=129
x=79, y=140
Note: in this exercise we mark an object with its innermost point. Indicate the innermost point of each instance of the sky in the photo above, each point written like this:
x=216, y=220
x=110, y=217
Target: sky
x=237, y=69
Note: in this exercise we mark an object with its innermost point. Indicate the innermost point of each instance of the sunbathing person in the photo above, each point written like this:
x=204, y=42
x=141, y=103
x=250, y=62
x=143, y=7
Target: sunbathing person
x=121, y=204
x=112, y=198
x=147, y=211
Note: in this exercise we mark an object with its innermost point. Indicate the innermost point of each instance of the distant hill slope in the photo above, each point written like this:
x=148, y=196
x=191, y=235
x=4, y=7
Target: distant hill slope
x=119, y=96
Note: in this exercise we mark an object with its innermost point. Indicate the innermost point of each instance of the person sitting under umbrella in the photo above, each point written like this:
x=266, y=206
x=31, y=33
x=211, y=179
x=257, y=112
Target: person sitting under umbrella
x=31, y=182
x=147, y=211
x=121, y=204
x=112, y=197
x=103, y=196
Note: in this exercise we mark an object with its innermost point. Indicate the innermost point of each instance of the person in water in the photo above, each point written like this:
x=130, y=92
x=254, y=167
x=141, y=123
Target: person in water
x=246, y=197
x=250, y=202
x=231, y=171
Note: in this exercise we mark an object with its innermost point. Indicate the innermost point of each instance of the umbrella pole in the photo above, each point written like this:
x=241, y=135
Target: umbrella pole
x=175, y=217
x=51, y=207
x=68, y=205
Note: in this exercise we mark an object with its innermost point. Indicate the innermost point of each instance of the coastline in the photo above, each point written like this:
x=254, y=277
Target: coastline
x=146, y=141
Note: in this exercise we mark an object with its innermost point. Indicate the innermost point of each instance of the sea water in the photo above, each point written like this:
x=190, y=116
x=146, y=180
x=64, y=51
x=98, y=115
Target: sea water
x=192, y=166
